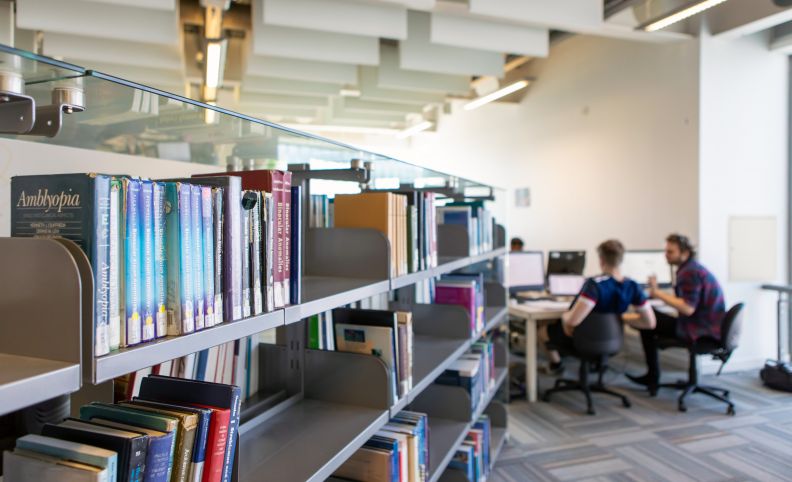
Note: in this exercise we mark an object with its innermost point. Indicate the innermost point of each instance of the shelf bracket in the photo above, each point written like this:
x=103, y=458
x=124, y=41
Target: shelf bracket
x=17, y=110
x=49, y=118
x=355, y=173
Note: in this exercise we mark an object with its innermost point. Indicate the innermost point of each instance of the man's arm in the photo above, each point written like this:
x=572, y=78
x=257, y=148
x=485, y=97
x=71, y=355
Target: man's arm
x=575, y=316
x=673, y=301
x=643, y=318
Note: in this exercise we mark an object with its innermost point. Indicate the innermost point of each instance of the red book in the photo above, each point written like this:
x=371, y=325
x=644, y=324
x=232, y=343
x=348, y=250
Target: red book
x=216, y=442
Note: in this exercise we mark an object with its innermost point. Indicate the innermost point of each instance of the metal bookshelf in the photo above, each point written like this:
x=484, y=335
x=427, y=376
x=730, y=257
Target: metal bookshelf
x=315, y=408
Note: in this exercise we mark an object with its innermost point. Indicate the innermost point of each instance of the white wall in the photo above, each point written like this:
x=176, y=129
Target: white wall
x=743, y=170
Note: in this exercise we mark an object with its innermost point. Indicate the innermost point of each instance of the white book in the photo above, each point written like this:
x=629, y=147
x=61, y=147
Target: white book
x=367, y=340
x=27, y=466
x=404, y=444
x=227, y=376
x=166, y=368
x=188, y=364
x=211, y=363
x=77, y=452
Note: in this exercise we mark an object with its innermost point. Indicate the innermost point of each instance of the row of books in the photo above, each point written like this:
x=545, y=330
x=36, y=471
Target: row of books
x=474, y=371
x=171, y=257
x=473, y=457
x=320, y=211
x=408, y=220
x=477, y=221
x=466, y=290
x=176, y=431
x=397, y=453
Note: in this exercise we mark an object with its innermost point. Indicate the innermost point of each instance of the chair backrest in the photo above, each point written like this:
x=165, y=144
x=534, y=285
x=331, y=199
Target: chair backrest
x=731, y=326
x=600, y=334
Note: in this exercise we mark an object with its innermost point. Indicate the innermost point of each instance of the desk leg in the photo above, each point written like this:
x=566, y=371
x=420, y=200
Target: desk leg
x=530, y=360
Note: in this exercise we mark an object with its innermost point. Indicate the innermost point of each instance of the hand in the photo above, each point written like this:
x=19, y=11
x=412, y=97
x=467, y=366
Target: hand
x=652, y=284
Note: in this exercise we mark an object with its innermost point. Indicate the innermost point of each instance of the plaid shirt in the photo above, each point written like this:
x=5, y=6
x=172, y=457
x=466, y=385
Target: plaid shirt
x=699, y=288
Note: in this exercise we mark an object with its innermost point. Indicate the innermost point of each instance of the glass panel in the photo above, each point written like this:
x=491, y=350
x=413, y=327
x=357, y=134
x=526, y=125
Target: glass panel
x=35, y=68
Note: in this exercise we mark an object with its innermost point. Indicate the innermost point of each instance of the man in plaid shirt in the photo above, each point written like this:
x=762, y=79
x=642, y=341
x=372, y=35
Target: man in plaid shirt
x=698, y=298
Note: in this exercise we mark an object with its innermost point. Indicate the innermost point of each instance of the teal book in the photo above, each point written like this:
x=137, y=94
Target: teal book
x=114, y=296
x=133, y=327
x=75, y=207
x=181, y=315
x=162, y=455
x=196, y=229
x=207, y=227
x=64, y=449
x=147, y=262
x=160, y=261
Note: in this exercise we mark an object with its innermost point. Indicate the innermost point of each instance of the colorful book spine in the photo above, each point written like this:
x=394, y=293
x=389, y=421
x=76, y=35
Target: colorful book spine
x=246, y=297
x=147, y=261
x=255, y=255
x=160, y=261
x=278, y=269
x=267, y=230
x=295, y=268
x=286, y=181
x=217, y=206
x=207, y=257
x=216, y=443
x=114, y=298
x=133, y=329
x=181, y=314
x=196, y=231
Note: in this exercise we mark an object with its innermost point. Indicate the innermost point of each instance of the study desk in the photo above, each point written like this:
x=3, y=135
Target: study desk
x=534, y=312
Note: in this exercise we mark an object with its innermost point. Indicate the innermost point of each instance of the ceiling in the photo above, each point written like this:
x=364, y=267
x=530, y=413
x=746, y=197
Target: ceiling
x=381, y=64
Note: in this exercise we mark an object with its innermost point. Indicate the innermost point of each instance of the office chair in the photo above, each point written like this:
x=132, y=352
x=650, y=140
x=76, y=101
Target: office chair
x=719, y=349
x=596, y=339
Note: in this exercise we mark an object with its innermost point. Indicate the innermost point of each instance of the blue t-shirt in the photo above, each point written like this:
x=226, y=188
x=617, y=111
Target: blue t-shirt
x=611, y=296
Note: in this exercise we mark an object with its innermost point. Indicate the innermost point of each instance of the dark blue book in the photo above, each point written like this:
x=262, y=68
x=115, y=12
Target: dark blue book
x=75, y=207
x=200, y=364
x=295, y=260
x=179, y=390
x=389, y=444
x=159, y=453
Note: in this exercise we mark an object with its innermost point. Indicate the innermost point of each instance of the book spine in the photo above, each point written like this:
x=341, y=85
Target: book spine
x=101, y=264
x=132, y=270
x=159, y=464
x=208, y=255
x=147, y=272
x=246, y=298
x=196, y=231
x=181, y=317
x=217, y=205
x=232, y=242
x=255, y=256
x=200, y=365
x=286, y=181
x=233, y=427
x=114, y=298
x=216, y=446
x=268, y=229
x=278, y=275
x=199, y=446
x=160, y=262
x=295, y=270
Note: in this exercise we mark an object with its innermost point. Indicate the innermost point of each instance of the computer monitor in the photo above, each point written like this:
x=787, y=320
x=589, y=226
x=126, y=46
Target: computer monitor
x=526, y=271
x=565, y=284
x=566, y=262
x=640, y=264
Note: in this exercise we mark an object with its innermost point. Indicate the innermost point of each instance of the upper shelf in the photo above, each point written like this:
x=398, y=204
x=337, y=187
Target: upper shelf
x=130, y=118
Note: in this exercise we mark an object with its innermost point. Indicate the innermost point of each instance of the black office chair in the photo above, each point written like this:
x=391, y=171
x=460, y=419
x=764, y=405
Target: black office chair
x=596, y=339
x=719, y=349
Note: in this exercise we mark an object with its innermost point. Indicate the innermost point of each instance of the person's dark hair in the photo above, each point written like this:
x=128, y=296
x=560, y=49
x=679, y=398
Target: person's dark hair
x=611, y=252
x=684, y=243
x=518, y=242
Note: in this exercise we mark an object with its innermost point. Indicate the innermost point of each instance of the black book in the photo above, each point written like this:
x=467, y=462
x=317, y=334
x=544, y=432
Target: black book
x=295, y=260
x=130, y=446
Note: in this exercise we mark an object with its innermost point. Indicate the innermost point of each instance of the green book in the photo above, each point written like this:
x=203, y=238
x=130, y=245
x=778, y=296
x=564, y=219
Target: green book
x=313, y=332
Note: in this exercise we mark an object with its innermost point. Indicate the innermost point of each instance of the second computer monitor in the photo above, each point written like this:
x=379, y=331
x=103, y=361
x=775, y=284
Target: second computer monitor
x=526, y=271
x=566, y=262
x=640, y=265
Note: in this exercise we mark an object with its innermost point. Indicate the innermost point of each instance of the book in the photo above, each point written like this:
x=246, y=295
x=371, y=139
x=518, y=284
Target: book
x=257, y=296
x=148, y=300
x=208, y=257
x=286, y=198
x=24, y=465
x=464, y=372
x=185, y=435
x=405, y=343
x=159, y=452
x=160, y=261
x=295, y=258
x=248, y=201
x=368, y=464
x=375, y=210
x=197, y=253
x=75, y=207
x=130, y=446
x=464, y=460
x=216, y=443
x=232, y=240
x=219, y=260
x=177, y=390
x=462, y=293
x=268, y=240
x=133, y=324
x=114, y=259
x=370, y=340
x=181, y=312
x=478, y=278
x=75, y=451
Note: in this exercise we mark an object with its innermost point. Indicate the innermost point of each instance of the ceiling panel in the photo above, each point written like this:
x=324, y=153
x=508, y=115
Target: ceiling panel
x=744, y=17
x=418, y=53
x=283, y=68
x=152, y=4
x=122, y=52
x=168, y=80
x=369, y=90
x=571, y=15
x=475, y=33
x=411, y=4
x=106, y=21
x=392, y=76
x=339, y=16
x=269, y=85
x=254, y=99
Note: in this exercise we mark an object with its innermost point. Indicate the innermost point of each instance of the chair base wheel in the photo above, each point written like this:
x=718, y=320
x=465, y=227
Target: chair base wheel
x=682, y=407
x=591, y=411
x=546, y=398
x=626, y=403
x=731, y=411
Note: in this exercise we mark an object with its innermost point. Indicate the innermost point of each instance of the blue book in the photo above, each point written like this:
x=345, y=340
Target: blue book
x=208, y=257
x=464, y=460
x=196, y=230
x=483, y=424
x=295, y=280
x=390, y=445
x=180, y=301
x=178, y=390
x=133, y=326
x=147, y=262
x=200, y=364
x=160, y=261
x=67, y=450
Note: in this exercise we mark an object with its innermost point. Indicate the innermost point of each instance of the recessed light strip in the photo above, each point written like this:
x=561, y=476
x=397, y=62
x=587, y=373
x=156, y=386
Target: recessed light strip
x=421, y=126
x=678, y=15
x=486, y=99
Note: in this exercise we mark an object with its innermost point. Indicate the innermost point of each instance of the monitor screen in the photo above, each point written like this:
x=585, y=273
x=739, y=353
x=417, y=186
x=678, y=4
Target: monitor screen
x=526, y=271
x=639, y=265
x=566, y=262
x=565, y=284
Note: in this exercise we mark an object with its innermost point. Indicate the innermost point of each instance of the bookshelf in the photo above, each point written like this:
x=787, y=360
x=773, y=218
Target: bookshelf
x=315, y=408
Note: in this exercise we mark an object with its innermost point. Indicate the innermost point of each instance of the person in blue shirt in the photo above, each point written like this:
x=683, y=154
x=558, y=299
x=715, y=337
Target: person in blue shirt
x=609, y=292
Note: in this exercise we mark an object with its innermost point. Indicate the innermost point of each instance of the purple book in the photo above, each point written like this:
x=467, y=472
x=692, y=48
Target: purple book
x=458, y=292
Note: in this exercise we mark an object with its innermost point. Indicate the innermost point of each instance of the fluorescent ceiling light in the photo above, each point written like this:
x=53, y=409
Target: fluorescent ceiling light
x=214, y=51
x=678, y=15
x=349, y=92
x=421, y=126
x=486, y=99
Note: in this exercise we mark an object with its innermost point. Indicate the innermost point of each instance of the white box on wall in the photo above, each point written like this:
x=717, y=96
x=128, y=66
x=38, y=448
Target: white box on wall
x=753, y=248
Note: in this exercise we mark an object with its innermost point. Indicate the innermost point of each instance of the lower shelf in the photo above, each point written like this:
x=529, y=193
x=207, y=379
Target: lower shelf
x=321, y=293
x=444, y=437
x=499, y=435
x=306, y=442
x=25, y=380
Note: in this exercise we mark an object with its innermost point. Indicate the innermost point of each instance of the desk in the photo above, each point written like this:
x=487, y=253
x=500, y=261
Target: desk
x=533, y=312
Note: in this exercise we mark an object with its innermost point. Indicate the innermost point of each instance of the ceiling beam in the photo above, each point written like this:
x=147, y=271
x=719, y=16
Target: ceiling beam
x=283, y=68
x=569, y=15
x=269, y=85
x=166, y=79
x=474, y=33
x=119, y=52
x=392, y=76
x=736, y=18
x=169, y=5
x=369, y=90
x=254, y=99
